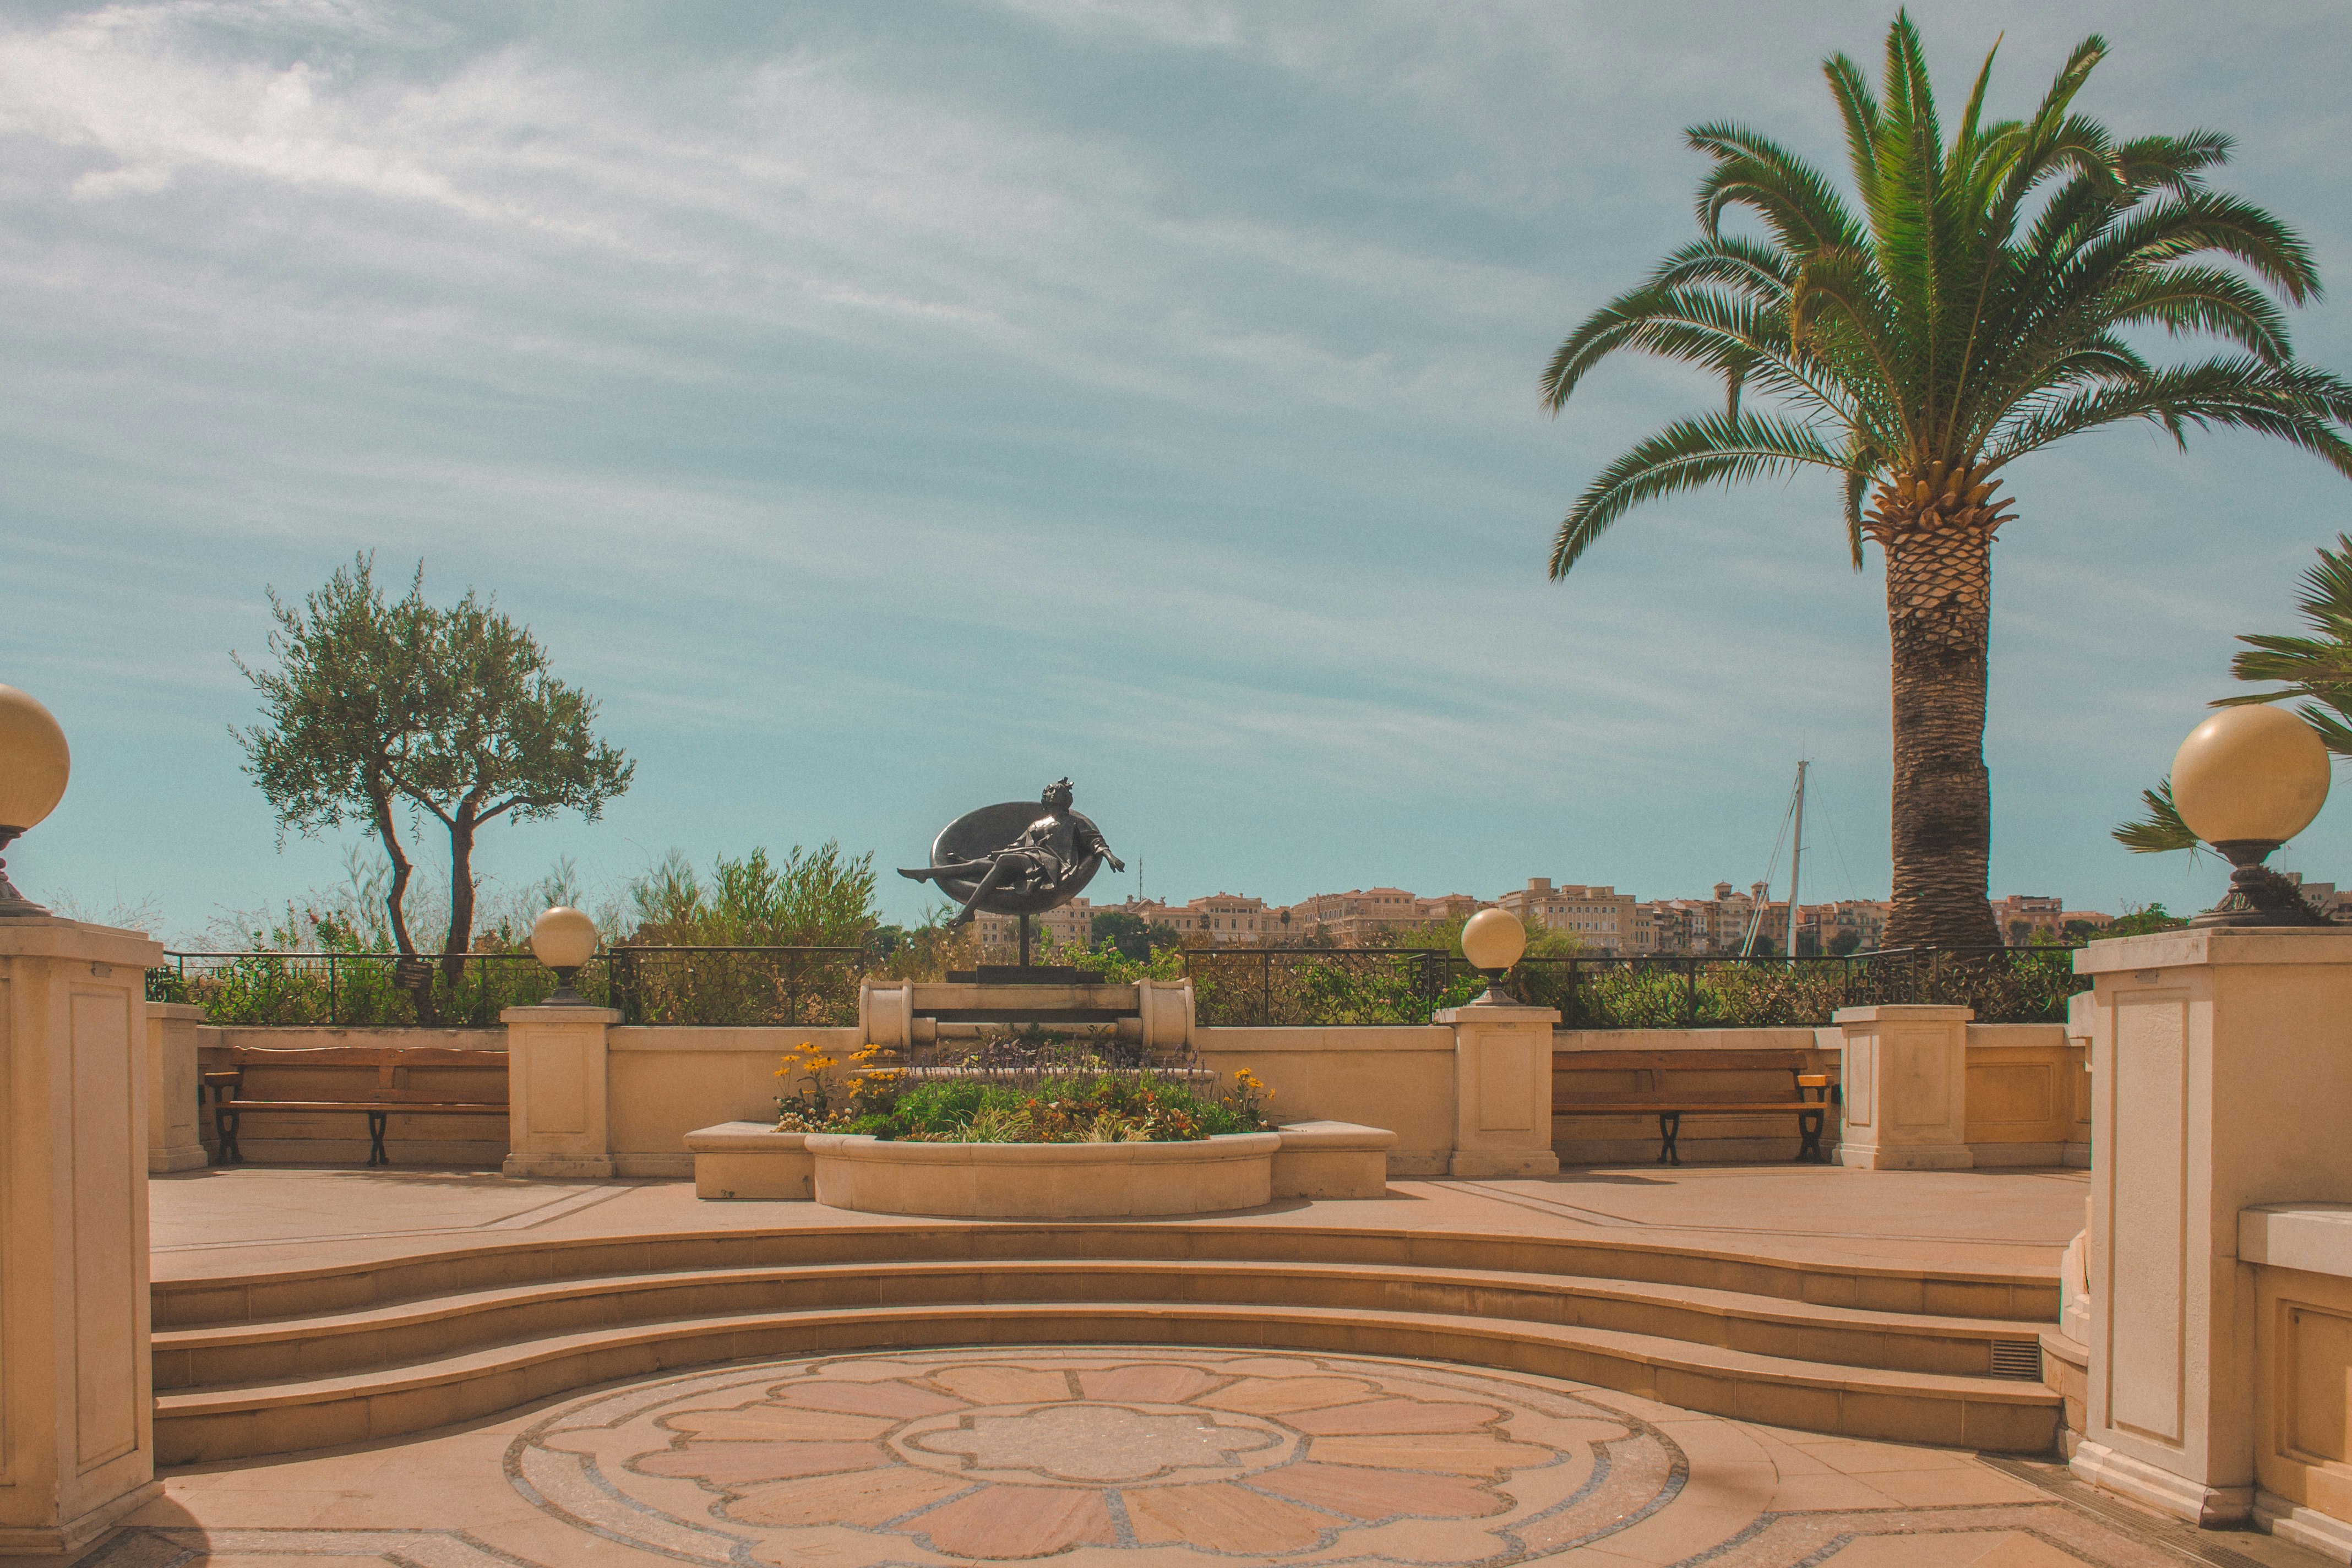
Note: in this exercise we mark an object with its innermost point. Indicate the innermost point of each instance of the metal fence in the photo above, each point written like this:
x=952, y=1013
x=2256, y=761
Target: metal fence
x=1323, y=986
x=817, y=986
x=804, y=986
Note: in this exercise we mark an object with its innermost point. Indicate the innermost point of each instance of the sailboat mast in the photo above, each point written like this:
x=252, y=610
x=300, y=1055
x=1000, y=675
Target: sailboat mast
x=1796, y=860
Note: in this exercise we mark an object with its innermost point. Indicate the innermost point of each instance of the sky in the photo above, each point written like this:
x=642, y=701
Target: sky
x=884, y=410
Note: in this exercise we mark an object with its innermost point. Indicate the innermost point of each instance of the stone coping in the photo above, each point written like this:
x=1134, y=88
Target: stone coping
x=2215, y=944
x=862, y=1147
x=1317, y=1135
x=2315, y=1238
x=742, y=1137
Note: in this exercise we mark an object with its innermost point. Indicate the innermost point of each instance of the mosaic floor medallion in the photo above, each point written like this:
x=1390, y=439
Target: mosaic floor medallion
x=1135, y=1457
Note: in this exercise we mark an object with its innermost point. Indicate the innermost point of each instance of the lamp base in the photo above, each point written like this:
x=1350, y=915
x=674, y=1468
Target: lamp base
x=2258, y=896
x=14, y=905
x=1495, y=995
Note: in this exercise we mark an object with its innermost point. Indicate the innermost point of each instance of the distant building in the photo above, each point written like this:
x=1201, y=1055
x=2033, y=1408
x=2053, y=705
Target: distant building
x=1366, y=917
x=1072, y=925
x=2021, y=915
x=1600, y=917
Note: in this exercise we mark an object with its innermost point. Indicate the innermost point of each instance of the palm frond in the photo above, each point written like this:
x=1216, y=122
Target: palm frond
x=2183, y=298
x=2299, y=404
x=1686, y=455
x=1794, y=199
x=2160, y=832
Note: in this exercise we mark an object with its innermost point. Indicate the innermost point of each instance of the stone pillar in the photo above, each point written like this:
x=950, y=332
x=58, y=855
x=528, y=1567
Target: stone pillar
x=1502, y=1090
x=557, y=1123
x=2221, y=1074
x=1905, y=1083
x=77, y=1393
x=174, y=1136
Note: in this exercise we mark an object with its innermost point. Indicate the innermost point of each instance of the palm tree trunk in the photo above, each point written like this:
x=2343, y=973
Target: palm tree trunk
x=1938, y=621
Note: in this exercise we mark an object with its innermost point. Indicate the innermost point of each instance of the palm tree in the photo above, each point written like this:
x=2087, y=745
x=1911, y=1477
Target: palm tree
x=1977, y=310
x=2317, y=668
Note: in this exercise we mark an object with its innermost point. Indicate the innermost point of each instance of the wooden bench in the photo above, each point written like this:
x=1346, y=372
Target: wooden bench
x=1811, y=1095
x=392, y=1095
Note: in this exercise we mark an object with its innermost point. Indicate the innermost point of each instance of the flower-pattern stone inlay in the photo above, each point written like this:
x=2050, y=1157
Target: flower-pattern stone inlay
x=1100, y=1456
x=1098, y=1443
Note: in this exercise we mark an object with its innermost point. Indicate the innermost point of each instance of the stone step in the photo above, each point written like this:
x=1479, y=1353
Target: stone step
x=331, y=1345
x=283, y=1416
x=2021, y=1298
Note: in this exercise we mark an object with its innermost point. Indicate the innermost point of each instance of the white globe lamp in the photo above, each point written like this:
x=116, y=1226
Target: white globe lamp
x=2246, y=781
x=564, y=940
x=1492, y=940
x=34, y=764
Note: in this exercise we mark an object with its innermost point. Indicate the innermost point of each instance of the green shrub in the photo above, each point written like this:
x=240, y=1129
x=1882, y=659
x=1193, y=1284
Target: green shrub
x=1076, y=1108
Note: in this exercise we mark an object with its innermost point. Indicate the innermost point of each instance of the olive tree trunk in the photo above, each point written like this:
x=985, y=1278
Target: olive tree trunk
x=1938, y=620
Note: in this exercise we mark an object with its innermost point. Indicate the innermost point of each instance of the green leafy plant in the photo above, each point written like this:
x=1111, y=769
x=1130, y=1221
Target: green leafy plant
x=380, y=709
x=1080, y=1106
x=1974, y=302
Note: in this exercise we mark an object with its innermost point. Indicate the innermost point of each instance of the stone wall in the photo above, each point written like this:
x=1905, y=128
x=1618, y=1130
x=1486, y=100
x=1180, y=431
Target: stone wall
x=1398, y=1078
x=2028, y=1090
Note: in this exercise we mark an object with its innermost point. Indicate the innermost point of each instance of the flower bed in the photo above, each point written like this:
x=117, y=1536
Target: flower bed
x=1085, y=1103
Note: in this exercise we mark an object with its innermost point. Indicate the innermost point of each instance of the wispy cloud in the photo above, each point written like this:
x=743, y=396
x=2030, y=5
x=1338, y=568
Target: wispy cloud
x=870, y=401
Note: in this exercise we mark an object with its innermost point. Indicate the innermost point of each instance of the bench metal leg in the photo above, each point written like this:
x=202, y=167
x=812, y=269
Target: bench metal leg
x=1809, y=1132
x=1670, y=1130
x=225, y=1127
x=376, y=1119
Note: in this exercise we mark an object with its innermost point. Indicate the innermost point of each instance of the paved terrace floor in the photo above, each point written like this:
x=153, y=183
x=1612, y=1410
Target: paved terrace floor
x=1103, y=1457
x=254, y=1218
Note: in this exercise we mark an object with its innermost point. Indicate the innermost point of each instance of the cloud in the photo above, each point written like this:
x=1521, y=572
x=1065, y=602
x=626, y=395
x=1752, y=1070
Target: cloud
x=866, y=400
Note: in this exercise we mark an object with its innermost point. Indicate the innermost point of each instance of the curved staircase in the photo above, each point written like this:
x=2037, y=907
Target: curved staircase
x=273, y=1362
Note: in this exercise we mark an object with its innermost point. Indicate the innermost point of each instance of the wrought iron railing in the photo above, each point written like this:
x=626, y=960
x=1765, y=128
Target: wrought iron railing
x=817, y=986
x=804, y=986
x=1263, y=986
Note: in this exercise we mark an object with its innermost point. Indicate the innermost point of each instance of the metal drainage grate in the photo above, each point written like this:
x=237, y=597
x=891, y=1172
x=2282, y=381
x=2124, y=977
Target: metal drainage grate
x=2020, y=1359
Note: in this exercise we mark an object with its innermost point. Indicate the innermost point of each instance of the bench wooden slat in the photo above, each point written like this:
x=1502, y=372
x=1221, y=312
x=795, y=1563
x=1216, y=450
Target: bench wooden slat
x=1596, y=1105
x=396, y=1107
x=1681, y=1061
x=362, y=1057
x=1813, y=1092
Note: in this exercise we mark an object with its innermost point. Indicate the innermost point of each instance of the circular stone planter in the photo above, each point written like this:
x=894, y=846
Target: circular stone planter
x=1042, y=1181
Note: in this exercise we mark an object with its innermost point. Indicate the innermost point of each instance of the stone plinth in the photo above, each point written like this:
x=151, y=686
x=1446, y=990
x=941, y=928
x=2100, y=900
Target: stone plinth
x=174, y=1130
x=1332, y=1160
x=76, y=1396
x=2221, y=1066
x=896, y=1014
x=1904, y=1081
x=750, y=1160
x=1502, y=1090
x=558, y=1118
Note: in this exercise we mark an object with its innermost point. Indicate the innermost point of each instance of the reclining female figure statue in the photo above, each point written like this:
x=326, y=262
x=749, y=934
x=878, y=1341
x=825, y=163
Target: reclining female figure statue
x=1049, y=852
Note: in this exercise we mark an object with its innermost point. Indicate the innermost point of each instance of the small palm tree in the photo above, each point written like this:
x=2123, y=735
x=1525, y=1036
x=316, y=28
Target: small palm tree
x=1973, y=308
x=2317, y=668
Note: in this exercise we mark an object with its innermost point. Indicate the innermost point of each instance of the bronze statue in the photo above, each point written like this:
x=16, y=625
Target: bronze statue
x=987, y=860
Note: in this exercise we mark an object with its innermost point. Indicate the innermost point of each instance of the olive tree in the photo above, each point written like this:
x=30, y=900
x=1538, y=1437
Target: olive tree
x=378, y=709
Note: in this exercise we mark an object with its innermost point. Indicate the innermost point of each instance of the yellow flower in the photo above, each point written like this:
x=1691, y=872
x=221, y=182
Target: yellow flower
x=818, y=1064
